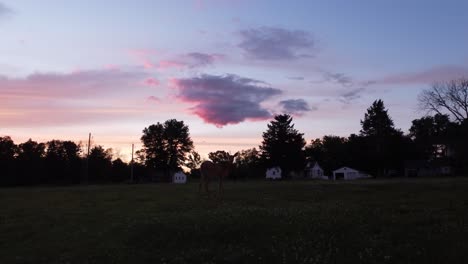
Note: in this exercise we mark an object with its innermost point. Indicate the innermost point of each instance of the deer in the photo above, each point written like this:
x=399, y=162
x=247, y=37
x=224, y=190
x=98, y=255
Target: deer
x=210, y=170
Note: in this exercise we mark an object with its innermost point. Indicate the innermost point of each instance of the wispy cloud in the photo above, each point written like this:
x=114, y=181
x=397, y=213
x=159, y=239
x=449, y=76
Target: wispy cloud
x=272, y=43
x=153, y=99
x=350, y=88
x=349, y=96
x=296, y=78
x=149, y=60
x=339, y=78
x=151, y=82
x=4, y=10
x=79, y=84
x=198, y=59
x=228, y=99
x=191, y=60
x=69, y=98
x=295, y=106
x=428, y=76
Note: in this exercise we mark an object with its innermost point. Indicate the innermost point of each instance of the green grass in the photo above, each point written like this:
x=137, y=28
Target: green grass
x=394, y=221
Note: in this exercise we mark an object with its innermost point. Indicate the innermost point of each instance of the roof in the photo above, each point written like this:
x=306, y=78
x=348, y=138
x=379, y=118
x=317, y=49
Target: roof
x=345, y=169
x=316, y=166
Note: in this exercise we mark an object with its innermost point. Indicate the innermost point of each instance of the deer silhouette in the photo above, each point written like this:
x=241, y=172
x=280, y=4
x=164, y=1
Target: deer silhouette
x=210, y=171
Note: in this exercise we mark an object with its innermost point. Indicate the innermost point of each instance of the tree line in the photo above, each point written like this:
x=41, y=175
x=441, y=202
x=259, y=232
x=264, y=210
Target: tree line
x=379, y=148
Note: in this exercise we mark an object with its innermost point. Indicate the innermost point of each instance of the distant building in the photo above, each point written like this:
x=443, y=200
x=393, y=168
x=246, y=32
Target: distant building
x=179, y=177
x=315, y=171
x=273, y=173
x=346, y=173
x=424, y=168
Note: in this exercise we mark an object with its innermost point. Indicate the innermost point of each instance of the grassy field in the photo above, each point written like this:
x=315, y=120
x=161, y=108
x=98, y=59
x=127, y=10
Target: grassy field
x=393, y=221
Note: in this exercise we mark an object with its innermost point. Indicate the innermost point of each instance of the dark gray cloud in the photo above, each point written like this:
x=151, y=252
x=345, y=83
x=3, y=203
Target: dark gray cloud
x=228, y=99
x=354, y=88
x=4, y=10
x=295, y=106
x=198, y=59
x=349, y=96
x=270, y=43
x=296, y=78
x=339, y=78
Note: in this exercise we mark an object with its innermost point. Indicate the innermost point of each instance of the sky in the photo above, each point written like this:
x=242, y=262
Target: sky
x=224, y=67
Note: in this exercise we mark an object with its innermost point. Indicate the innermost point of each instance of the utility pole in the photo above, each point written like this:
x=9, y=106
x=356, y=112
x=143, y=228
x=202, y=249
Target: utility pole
x=87, y=159
x=131, y=165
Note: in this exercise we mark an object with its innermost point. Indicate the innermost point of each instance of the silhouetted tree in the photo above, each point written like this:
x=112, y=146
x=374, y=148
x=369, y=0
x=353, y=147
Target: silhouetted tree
x=431, y=135
x=248, y=164
x=7, y=156
x=330, y=152
x=155, y=150
x=166, y=145
x=30, y=160
x=379, y=131
x=283, y=145
x=193, y=163
x=7, y=148
x=449, y=97
x=120, y=171
x=100, y=164
x=63, y=162
x=140, y=157
x=178, y=142
x=377, y=123
x=219, y=156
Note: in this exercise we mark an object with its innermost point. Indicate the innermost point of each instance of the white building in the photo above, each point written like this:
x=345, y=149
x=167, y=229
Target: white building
x=315, y=172
x=346, y=173
x=273, y=173
x=179, y=177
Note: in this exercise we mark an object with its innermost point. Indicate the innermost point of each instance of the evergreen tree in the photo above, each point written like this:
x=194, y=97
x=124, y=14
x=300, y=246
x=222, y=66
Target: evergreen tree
x=377, y=122
x=283, y=145
x=382, y=140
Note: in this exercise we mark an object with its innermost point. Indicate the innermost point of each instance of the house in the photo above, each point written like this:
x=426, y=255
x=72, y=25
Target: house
x=423, y=168
x=315, y=172
x=273, y=173
x=346, y=173
x=179, y=177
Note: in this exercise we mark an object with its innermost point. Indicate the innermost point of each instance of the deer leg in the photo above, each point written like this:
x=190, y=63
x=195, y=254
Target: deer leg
x=201, y=182
x=206, y=185
x=220, y=189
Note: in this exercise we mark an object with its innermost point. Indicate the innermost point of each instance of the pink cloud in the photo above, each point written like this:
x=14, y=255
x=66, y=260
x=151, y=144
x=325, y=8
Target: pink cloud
x=151, y=82
x=69, y=98
x=112, y=67
x=191, y=60
x=153, y=99
x=144, y=56
x=223, y=100
x=167, y=64
x=77, y=84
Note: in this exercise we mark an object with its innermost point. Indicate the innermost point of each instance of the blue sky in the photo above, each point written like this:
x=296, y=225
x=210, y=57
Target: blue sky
x=224, y=67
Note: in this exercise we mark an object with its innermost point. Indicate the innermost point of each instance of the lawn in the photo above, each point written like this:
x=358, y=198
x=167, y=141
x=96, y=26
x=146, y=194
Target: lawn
x=386, y=221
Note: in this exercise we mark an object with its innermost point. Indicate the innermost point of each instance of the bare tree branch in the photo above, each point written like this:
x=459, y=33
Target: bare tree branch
x=451, y=97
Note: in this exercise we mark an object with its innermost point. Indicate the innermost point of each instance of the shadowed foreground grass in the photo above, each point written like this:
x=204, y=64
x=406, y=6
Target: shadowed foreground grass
x=400, y=221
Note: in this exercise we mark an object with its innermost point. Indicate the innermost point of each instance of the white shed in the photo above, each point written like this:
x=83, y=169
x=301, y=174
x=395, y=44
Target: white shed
x=179, y=177
x=273, y=173
x=315, y=172
x=346, y=173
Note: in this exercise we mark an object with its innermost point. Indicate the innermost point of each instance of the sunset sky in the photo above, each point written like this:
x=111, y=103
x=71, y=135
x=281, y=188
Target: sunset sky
x=225, y=67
